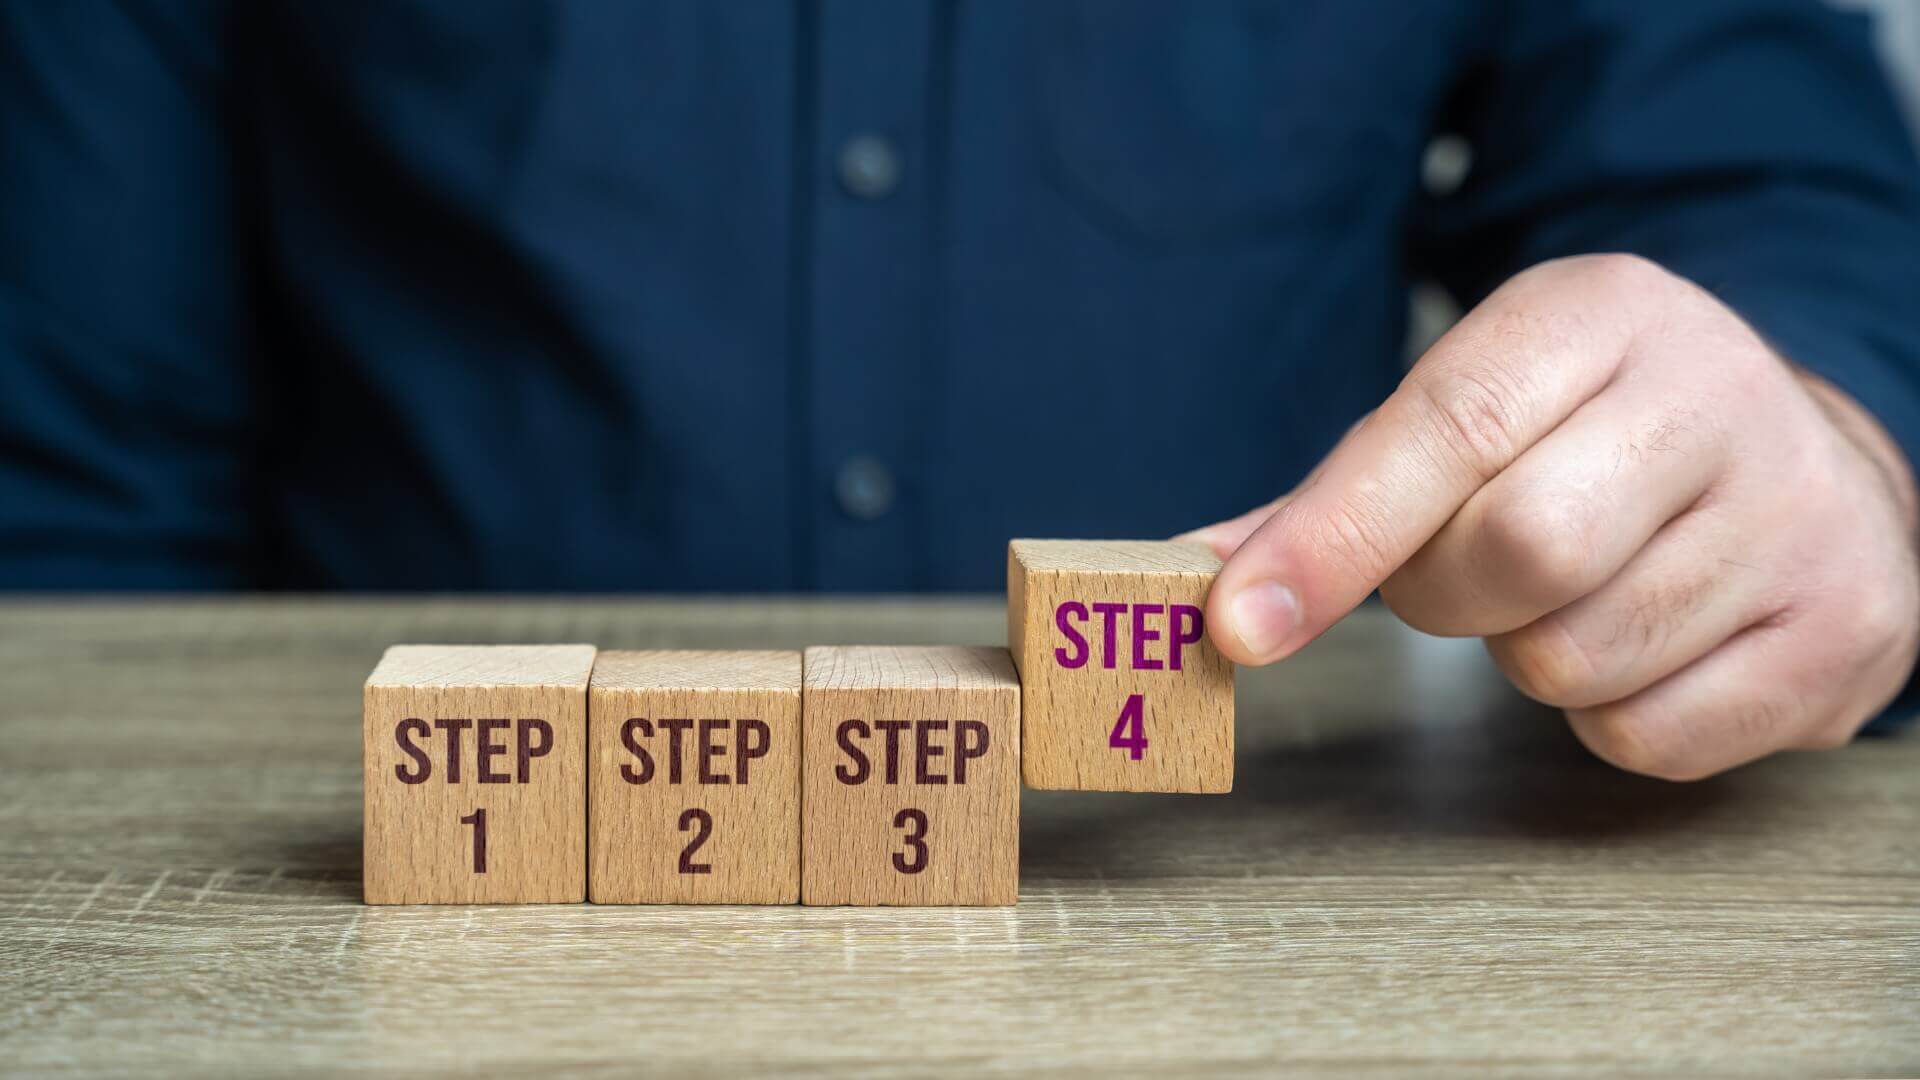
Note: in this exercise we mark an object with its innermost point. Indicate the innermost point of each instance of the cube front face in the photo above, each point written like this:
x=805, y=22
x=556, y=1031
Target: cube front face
x=694, y=778
x=1121, y=688
x=475, y=793
x=912, y=777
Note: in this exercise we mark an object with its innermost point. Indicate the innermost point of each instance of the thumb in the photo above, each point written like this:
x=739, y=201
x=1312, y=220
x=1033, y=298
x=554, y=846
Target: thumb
x=1225, y=537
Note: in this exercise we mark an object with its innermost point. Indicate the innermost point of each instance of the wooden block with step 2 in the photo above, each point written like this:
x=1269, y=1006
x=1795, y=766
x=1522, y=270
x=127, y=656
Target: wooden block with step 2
x=474, y=774
x=911, y=776
x=1120, y=688
x=694, y=778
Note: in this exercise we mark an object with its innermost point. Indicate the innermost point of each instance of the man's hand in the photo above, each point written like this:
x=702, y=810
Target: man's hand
x=1701, y=553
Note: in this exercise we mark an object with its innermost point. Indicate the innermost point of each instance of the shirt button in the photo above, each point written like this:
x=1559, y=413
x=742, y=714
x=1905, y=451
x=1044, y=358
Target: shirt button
x=864, y=488
x=869, y=167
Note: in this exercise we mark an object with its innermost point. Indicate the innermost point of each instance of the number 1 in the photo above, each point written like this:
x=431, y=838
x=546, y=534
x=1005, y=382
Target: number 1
x=478, y=819
x=1130, y=731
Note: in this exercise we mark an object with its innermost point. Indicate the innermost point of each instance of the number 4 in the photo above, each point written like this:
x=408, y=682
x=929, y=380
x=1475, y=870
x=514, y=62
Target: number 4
x=1130, y=731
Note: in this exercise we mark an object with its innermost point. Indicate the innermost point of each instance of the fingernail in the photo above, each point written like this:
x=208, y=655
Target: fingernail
x=1265, y=615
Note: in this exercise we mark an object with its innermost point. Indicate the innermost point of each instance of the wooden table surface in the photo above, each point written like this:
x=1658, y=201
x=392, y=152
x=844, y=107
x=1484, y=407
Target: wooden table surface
x=1416, y=873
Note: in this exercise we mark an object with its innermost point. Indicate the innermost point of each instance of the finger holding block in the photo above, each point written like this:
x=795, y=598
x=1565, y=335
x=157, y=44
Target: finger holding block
x=694, y=778
x=474, y=773
x=1121, y=689
x=912, y=776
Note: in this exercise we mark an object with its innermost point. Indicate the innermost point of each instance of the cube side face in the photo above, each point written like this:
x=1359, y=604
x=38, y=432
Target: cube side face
x=694, y=832
x=945, y=830
x=1017, y=634
x=475, y=795
x=1121, y=688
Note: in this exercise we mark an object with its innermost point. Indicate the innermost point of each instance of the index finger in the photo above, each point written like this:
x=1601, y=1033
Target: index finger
x=1492, y=387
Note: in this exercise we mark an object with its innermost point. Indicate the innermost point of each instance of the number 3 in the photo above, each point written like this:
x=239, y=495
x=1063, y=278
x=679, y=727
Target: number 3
x=914, y=859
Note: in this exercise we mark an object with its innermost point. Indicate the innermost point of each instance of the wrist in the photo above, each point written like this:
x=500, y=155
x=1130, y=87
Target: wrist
x=1864, y=431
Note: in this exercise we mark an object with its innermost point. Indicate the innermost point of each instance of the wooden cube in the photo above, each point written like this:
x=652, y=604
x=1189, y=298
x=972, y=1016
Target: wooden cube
x=1121, y=688
x=912, y=776
x=475, y=774
x=694, y=778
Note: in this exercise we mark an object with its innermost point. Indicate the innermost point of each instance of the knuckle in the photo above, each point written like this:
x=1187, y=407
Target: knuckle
x=1474, y=415
x=1422, y=598
x=1871, y=632
x=1418, y=610
x=1831, y=735
x=1623, y=270
x=1624, y=266
x=1358, y=533
x=1629, y=739
x=1618, y=281
x=1681, y=429
x=1760, y=721
x=1656, y=612
x=1635, y=740
x=1883, y=621
x=1619, y=268
x=1546, y=663
x=1542, y=547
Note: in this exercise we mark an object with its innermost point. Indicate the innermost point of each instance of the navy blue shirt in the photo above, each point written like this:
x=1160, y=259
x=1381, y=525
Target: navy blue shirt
x=838, y=295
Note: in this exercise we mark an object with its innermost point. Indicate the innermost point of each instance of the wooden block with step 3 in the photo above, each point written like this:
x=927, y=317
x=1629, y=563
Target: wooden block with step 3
x=911, y=792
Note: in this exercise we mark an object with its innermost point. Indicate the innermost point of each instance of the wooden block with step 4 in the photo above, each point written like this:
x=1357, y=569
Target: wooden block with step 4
x=1120, y=688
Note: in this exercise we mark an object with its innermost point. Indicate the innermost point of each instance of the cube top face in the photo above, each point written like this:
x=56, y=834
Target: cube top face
x=698, y=669
x=474, y=775
x=910, y=667
x=694, y=778
x=1121, y=688
x=912, y=777
x=1115, y=556
x=474, y=666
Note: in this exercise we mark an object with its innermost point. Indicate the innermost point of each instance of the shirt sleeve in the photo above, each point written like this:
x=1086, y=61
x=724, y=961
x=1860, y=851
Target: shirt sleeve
x=1752, y=146
x=125, y=408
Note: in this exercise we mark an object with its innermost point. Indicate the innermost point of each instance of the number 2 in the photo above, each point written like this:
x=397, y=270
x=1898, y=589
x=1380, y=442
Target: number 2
x=690, y=819
x=914, y=859
x=478, y=819
x=1130, y=731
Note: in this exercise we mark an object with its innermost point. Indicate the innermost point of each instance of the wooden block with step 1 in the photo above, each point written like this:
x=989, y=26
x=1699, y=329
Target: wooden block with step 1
x=1121, y=689
x=475, y=774
x=912, y=776
x=694, y=778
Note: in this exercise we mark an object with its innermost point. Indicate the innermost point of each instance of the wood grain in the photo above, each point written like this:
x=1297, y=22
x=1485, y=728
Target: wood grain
x=475, y=774
x=718, y=822
x=1418, y=873
x=911, y=776
x=1110, y=640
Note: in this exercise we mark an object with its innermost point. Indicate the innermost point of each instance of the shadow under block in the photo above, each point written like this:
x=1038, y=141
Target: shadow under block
x=694, y=778
x=1121, y=688
x=475, y=774
x=912, y=776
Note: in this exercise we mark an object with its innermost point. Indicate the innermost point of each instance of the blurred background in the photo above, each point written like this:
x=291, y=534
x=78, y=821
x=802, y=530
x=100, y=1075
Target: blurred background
x=1897, y=33
x=839, y=295
x=1896, y=38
